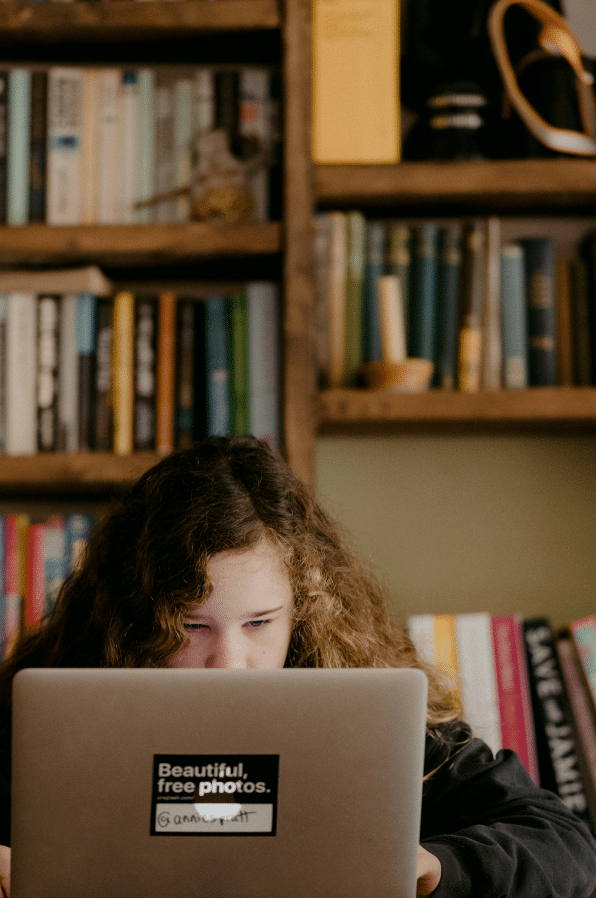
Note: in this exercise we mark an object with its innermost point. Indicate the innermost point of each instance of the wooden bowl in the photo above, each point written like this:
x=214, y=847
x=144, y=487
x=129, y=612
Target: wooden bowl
x=409, y=376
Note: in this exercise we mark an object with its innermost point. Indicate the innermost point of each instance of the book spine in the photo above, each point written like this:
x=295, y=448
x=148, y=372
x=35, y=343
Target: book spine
x=146, y=329
x=446, y=657
x=35, y=597
x=146, y=144
x=539, y=260
x=103, y=430
x=37, y=182
x=3, y=143
x=421, y=629
x=471, y=305
x=18, y=146
x=583, y=634
x=77, y=532
x=54, y=559
x=48, y=354
x=166, y=368
x=514, y=317
x=14, y=573
x=565, y=345
x=515, y=712
x=123, y=372
x=424, y=291
x=2, y=583
x=89, y=174
x=374, y=268
x=492, y=343
x=556, y=751
x=264, y=361
x=399, y=263
x=336, y=292
x=129, y=116
x=200, y=374
x=239, y=363
x=65, y=120
x=3, y=317
x=68, y=377
x=186, y=340
x=255, y=130
x=450, y=257
x=86, y=352
x=477, y=677
x=183, y=102
x=109, y=183
x=21, y=367
x=165, y=162
x=321, y=250
x=203, y=100
x=217, y=365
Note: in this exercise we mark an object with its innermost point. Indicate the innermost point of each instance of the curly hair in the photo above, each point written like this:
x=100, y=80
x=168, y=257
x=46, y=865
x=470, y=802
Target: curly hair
x=145, y=567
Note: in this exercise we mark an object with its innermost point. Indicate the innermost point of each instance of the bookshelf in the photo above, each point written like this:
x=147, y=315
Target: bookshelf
x=123, y=29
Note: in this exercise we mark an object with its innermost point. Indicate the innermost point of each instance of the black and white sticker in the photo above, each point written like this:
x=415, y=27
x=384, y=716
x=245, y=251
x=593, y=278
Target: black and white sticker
x=222, y=795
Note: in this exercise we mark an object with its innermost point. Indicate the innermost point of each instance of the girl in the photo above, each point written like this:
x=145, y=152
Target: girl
x=220, y=557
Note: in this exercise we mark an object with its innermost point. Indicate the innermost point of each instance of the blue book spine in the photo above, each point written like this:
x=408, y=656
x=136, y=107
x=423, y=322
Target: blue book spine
x=424, y=291
x=448, y=306
x=373, y=270
x=85, y=331
x=76, y=537
x=539, y=256
x=18, y=147
x=217, y=366
x=514, y=317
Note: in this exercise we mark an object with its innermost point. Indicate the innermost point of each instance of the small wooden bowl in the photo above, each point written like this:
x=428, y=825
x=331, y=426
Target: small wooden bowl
x=409, y=376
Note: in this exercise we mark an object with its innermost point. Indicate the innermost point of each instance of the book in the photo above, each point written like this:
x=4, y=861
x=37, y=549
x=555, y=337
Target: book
x=421, y=630
x=183, y=133
x=199, y=430
x=18, y=148
x=585, y=301
x=539, y=261
x=78, y=528
x=239, y=387
x=103, y=439
x=146, y=143
x=580, y=304
x=217, y=366
x=35, y=590
x=109, y=182
x=123, y=372
x=64, y=142
x=264, y=361
x=424, y=290
x=255, y=133
x=3, y=316
x=515, y=710
x=165, y=394
x=583, y=634
x=48, y=358
x=355, y=105
x=321, y=250
x=15, y=529
x=86, y=350
x=185, y=382
x=38, y=140
x=145, y=374
x=3, y=142
x=579, y=708
x=471, y=290
x=68, y=376
x=391, y=318
x=54, y=559
x=374, y=268
x=165, y=162
x=514, y=322
x=80, y=279
x=89, y=141
x=448, y=276
x=492, y=354
x=398, y=261
x=129, y=117
x=433, y=636
x=336, y=293
x=355, y=252
x=564, y=313
x=477, y=677
x=558, y=764
x=21, y=368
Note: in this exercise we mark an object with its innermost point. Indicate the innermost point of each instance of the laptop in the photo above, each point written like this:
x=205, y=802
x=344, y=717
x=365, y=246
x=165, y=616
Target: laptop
x=157, y=783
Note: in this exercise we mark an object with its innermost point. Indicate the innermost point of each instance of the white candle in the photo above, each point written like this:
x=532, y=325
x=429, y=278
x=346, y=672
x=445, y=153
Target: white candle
x=391, y=318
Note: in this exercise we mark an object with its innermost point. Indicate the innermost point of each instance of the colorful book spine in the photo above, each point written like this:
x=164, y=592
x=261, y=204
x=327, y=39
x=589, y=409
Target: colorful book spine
x=539, y=260
x=424, y=290
x=86, y=351
x=103, y=407
x=123, y=372
x=514, y=317
x=477, y=677
x=35, y=592
x=374, y=268
x=48, y=343
x=21, y=367
x=217, y=366
x=515, y=710
x=54, y=559
x=239, y=387
x=264, y=361
x=448, y=306
x=471, y=302
x=555, y=744
x=146, y=329
x=166, y=351
x=18, y=160
x=14, y=573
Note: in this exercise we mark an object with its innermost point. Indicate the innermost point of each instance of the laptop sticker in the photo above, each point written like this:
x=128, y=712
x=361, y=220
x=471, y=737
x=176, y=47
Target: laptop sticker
x=214, y=795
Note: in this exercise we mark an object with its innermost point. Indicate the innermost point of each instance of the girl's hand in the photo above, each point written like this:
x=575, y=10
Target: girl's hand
x=5, y=870
x=429, y=872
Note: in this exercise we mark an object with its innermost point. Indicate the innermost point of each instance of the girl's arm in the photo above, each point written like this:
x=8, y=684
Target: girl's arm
x=5, y=870
x=495, y=832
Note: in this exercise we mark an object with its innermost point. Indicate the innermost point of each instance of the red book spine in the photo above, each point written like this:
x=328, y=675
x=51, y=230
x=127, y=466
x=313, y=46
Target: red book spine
x=517, y=726
x=165, y=410
x=35, y=583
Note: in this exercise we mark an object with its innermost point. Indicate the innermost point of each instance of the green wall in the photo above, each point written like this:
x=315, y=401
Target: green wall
x=466, y=523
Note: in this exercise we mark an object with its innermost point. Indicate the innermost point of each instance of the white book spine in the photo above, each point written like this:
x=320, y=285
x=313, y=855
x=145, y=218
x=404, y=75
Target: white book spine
x=129, y=100
x=68, y=377
x=421, y=629
x=64, y=155
x=21, y=367
x=204, y=100
x=183, y=126
x=264, y=375
x=478, y=684
x=89, y=147
x=109, y=142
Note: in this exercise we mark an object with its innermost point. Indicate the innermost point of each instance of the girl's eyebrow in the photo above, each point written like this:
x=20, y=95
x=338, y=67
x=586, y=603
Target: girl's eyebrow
x=253, y=614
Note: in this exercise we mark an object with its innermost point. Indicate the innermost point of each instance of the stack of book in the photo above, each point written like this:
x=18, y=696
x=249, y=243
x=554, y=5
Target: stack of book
x=489, y=313
x=85, y=368
x=101, y=145
x=523, y=687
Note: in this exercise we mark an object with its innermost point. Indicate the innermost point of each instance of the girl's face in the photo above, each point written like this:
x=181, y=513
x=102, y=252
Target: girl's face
x=247, y=620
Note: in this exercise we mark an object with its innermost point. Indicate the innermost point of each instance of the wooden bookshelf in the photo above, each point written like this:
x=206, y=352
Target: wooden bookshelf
x=59, y=472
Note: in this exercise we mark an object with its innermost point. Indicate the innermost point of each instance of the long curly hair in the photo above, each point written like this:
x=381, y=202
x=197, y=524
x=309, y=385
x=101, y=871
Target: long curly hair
x=145, y=567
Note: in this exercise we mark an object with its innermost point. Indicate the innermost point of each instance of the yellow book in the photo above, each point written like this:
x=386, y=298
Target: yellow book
x=355, y=81
x=446, y=647
x=123, y=372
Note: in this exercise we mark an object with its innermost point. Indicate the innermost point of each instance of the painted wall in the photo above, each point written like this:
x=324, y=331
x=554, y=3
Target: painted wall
x=453, y=524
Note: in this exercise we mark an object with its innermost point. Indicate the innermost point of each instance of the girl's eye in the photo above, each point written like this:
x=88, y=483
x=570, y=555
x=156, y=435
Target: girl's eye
x=193, y=625
x=256, y=624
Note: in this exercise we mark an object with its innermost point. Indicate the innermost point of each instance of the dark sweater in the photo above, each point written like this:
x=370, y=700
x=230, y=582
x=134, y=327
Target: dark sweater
x=496, y=834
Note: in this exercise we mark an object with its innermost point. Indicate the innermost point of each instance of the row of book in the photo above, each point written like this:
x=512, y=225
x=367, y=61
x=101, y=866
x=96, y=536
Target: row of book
x=84, y=370
x=490, y=314
x=108, y=145
x=35, y=559
x=523, y=687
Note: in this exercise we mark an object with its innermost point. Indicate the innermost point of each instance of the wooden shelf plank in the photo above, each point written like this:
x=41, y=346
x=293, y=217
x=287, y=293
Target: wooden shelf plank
x=537, y=408
x=135, y=244
x=105, y=20
x=485, y=184
x=59, y=472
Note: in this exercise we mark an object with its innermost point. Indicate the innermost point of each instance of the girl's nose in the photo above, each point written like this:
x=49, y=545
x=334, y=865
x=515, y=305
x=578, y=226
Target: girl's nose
x=227, y=653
